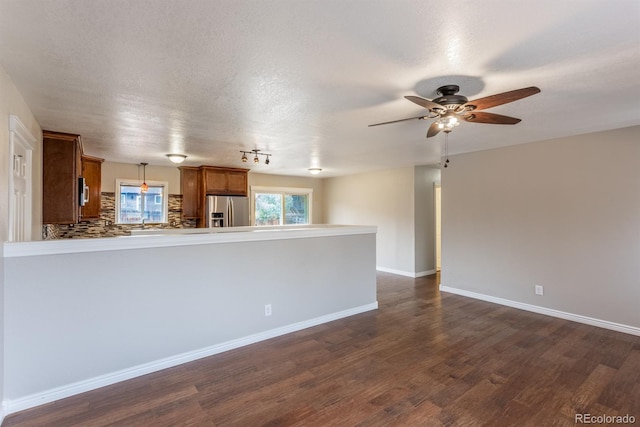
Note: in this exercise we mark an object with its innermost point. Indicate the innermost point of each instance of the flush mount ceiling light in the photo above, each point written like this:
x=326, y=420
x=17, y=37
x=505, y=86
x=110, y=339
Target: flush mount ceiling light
x=176, y=158
x=144, y=187
x=255, y=153
x=314, y=171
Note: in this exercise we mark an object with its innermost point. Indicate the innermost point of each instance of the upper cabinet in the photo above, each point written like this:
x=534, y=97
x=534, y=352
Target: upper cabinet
x=70, y=181
x=61, y=170
x=199, y=182
x=92, y=174
x=190, y=189
x=224, y=181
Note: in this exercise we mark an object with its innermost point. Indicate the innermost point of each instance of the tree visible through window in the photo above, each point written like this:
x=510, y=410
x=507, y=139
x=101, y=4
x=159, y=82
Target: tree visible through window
x=281, y=207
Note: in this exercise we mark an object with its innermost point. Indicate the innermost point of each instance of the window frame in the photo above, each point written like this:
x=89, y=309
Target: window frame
x=290, y=191
x=136, y=183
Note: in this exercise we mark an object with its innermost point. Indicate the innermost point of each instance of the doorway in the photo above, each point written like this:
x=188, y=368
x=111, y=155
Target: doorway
x=437, y=191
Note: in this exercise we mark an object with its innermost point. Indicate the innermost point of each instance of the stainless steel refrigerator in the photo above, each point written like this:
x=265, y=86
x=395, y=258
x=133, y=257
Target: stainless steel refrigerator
x=227, y=211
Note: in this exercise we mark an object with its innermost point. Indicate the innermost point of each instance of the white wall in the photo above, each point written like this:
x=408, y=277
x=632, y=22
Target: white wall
x=12, y=103
x=112, y=171
x=381, y=198
x=400, y=203
x=563, y=213
x=317, y=184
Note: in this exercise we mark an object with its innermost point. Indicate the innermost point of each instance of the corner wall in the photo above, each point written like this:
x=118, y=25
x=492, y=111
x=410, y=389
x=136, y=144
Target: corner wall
x=400, y=203
x=564, y=214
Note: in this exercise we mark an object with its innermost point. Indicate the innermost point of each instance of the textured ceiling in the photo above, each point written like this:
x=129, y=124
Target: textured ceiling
x=303, y=79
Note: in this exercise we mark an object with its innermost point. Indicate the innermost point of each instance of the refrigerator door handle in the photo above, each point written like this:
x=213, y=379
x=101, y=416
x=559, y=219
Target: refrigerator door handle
x=230, y=213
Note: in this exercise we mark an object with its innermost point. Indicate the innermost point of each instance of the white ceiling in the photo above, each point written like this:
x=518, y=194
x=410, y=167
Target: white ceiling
x=303, y=79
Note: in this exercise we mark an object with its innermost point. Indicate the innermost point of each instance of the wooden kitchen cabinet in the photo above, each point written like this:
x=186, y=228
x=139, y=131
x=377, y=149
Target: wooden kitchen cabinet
x=92, y=173
x=190, y=189
x=199, y=182
x=237, y=182
x=61, y=169
x=225, y=181
x=215, y=181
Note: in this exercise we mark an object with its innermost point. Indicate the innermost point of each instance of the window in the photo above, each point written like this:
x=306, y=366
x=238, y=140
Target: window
x=135, y=207
x=281, y=206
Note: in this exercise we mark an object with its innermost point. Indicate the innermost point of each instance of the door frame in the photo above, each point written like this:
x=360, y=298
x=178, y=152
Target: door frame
x=437, y=203
x=20, y=229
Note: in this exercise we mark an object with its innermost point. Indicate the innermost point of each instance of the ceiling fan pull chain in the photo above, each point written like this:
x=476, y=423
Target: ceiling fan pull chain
x=446, y=149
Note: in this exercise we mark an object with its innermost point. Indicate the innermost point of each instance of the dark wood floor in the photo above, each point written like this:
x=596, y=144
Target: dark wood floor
x=422, y=359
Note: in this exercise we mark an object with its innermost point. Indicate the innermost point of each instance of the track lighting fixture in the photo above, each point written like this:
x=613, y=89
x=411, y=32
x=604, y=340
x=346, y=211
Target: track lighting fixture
x=255, y=153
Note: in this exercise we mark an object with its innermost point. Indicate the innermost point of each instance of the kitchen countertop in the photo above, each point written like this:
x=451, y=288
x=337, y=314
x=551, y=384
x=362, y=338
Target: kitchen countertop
x=141, y=239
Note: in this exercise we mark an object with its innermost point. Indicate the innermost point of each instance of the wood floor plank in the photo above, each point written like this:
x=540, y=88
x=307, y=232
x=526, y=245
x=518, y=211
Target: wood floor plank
x=423, y=358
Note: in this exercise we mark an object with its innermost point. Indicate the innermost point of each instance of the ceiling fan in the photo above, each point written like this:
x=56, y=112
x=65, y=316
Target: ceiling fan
x=450, y=108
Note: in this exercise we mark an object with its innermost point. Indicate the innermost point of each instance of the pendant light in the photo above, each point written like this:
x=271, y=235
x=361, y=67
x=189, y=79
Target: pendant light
x=144, y=187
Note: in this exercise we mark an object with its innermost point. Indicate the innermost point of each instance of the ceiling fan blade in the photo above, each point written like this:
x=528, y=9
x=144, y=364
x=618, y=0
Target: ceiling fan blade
x=429, y=105
x=501, y=98
x=396, y=121
x=434, y=129
x=494, y=119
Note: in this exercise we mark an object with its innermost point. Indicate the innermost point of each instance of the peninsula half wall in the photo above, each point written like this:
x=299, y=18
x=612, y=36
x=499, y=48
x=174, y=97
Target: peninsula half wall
x=81, y=314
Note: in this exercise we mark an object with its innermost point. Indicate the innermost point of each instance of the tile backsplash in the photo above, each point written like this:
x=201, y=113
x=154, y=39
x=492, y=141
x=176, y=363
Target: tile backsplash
x=106, y=226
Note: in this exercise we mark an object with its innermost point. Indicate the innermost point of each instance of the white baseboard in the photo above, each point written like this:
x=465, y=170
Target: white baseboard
x=632, y=330
x=2, y=413
x=36, y=399
x=424, y=273
x=406, y=273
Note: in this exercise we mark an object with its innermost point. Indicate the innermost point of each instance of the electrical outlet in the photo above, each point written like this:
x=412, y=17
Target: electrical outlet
x=539, y=290
x=267, y=310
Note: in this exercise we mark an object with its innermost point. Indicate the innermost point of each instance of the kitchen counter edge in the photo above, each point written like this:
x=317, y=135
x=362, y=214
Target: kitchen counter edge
x=66, y=246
